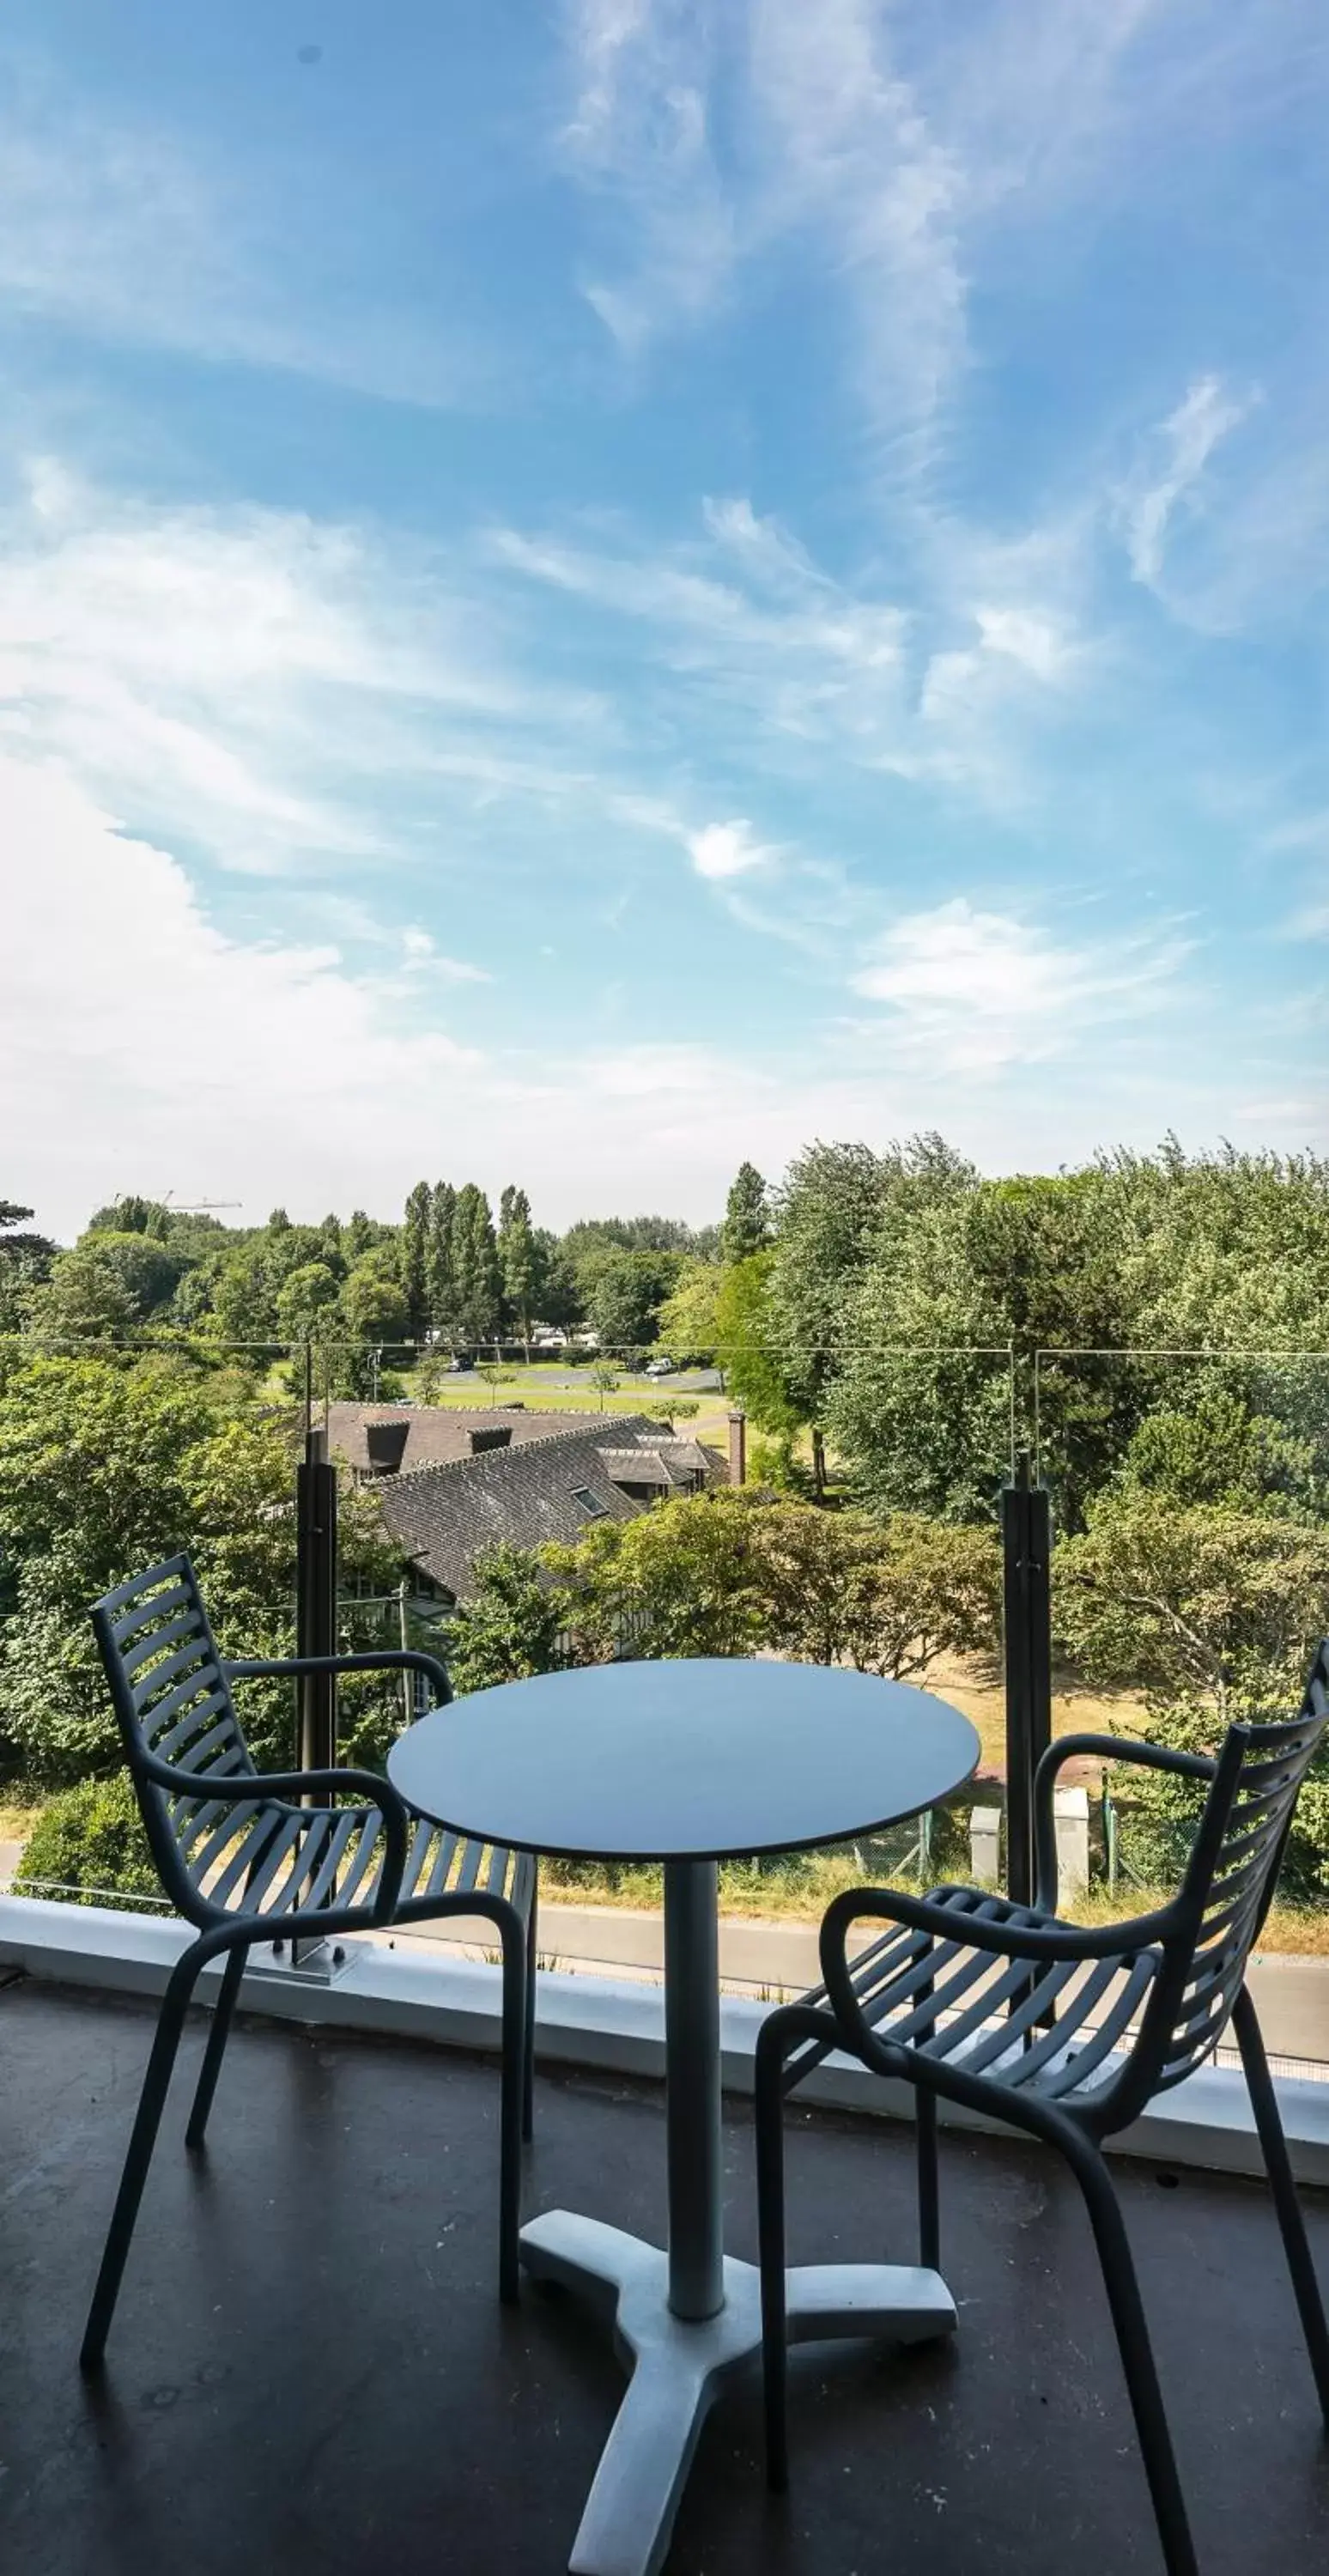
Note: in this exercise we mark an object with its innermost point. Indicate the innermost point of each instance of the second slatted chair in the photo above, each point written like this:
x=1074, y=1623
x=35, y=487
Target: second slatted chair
x=1065, y=2031
x=241, y=1859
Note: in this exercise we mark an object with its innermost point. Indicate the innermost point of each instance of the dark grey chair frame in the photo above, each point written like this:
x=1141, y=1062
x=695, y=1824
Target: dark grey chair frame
x=1071, y=2040
x=244, y=1861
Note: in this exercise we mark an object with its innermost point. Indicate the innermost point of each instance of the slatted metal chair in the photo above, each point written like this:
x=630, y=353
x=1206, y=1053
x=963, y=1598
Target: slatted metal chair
x=241, y=1858
x=1064, y=2031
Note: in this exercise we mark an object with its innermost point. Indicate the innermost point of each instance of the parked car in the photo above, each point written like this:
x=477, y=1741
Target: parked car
x=660, y=1367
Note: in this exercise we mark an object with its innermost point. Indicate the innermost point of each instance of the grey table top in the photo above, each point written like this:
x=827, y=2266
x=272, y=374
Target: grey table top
x=707, y=1759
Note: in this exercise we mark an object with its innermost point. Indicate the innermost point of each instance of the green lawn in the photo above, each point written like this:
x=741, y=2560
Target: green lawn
x=558, y=1390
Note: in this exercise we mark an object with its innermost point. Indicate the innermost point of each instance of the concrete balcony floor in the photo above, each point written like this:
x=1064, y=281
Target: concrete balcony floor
x=310, y=2372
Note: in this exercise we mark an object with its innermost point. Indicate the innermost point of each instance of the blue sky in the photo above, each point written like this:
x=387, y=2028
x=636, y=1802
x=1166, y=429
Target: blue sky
x=588, y=591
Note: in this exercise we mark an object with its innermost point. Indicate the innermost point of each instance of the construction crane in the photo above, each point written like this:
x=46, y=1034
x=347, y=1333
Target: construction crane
x=197, y=1207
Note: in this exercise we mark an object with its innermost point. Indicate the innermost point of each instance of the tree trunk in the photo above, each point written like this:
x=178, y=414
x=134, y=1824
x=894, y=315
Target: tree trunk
x=818, y=1462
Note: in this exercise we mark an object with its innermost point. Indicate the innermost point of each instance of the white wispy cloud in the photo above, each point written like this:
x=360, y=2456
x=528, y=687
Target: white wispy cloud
x=971, y=991
x=911, y=169
x=852, y=154
x=744, y=620
x=198, y=667
x=132, y=1026
x=894, y=157
x=639, y=137
x=1170, y=477
x=141, y=1045
x=728, y=850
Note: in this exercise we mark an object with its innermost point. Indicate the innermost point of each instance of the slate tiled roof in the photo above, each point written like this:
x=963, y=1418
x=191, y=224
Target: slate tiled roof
x=439, y=1432
x=641, y=1466
x=686, y=1459
x=443, y=1516
x=670, y=1464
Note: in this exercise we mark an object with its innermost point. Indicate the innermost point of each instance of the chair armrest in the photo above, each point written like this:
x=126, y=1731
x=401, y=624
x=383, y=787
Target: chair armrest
x=242, y=1787
x=391, y=1659
x=1063, y=1942
x=1112, y=1748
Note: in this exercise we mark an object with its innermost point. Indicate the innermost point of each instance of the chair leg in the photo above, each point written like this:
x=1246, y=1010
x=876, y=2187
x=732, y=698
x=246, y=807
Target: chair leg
x=528, y=2042
x=929, y=2189
x=769, y=2124
x=1137, y=2355
x=143, y=2138
x=510, y=2112
x=218, y=2035
x=929, y=2185
x=1282, y=2184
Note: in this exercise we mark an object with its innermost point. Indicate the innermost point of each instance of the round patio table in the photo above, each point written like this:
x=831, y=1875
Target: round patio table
x=688, y=1763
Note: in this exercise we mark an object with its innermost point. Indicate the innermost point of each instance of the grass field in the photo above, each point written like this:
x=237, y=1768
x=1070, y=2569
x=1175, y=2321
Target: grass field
x=552, y=1389
x=974, y=1683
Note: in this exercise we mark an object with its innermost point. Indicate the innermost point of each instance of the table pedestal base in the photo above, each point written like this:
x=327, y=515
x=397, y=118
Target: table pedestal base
x=678, y=2369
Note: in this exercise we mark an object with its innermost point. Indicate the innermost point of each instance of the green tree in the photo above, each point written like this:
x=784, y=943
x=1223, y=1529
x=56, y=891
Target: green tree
x=885, y=1597
x=478, y=1286
x=682, y=1579
x=755, y=1367
x=629, y=1291
x=518, y=1259
x=88, y=1844
x=133, y=1214
x=364, y=1234
x=687, y=1322
x=1212, y=1603
x=442, y=1261
x=25, y=1262
x=1212, y=1610
x=305, y=1303
x=747, y=1218
x=415, y=1258
x=559, y=1300
x=431, y=1377
x=605, y=1380
x=1213, y=1449
x=84, y=1301
x=244, y=1300
x=830, y=1212
x=372, y=1305
x=107, y=1468
x=193, y=1306
x=148, y=1269
x=511, y=1626
x=964, y=1281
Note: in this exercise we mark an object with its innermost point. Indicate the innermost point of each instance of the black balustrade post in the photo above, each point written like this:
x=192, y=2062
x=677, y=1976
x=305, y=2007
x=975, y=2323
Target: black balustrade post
x=315, y=1614
x=316, y=1600
x=1026, y=1535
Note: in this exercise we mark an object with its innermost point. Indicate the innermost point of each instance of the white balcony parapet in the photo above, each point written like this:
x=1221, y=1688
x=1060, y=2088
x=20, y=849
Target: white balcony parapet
x=431, y=1992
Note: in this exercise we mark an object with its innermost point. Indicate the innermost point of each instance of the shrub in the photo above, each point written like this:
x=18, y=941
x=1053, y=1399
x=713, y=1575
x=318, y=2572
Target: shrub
x=1157, y=1815
x=511, y=1628
x=88, y=1844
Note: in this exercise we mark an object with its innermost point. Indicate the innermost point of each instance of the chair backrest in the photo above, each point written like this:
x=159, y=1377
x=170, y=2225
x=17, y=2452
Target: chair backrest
x=1233, y=1870
x=172, y=1700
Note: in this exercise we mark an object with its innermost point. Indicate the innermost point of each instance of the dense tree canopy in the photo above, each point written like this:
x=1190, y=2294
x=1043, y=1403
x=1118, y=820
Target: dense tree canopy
x=1152, y=1326
x=107, y=1467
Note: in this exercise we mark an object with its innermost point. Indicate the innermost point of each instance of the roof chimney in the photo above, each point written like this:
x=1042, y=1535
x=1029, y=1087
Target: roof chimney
x=385, y=1446
x=738, y=1447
